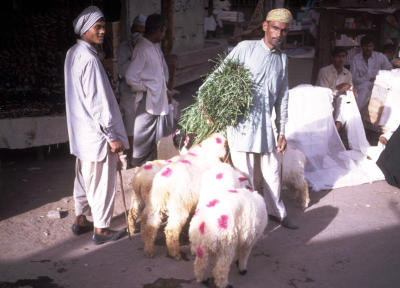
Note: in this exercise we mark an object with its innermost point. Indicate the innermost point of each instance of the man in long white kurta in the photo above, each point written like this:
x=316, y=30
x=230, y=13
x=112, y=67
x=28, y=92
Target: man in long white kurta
x=127, y=102
x=95, y=128
x=251, y=142
x=147, y=75
x=364, y=68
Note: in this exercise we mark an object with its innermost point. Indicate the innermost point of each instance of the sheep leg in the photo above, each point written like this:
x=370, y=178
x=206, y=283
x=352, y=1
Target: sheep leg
x=244, y=253
x=176, y=220
x=305, y=195
x=149, y=229
x=222, y=266
x=200, y=267
x=133, y=213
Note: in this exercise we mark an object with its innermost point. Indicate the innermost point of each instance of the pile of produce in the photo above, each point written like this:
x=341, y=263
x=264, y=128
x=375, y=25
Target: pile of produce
x=223, y=99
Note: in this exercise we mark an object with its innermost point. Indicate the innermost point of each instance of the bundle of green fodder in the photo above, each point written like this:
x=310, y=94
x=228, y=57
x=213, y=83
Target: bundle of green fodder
x=221, y=101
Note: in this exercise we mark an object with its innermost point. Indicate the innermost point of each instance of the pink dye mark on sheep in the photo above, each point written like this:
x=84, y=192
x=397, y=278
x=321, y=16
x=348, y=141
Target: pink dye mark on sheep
x=192, y=154
x=148, y=167
x=169, y=161
x=223, y=221
x=167, y=172
x=196, y=212
x=233, y=191
x=185, y=161
x=219, y=140
x=242, y=179
x=201, y=227
x=199, y=252
x=212, y=203
x=219, y=176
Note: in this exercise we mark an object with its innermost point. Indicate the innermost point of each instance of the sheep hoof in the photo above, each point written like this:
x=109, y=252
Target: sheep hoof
x=243, y=272
x=175, y=256
x=207, y=282
x=149, y=254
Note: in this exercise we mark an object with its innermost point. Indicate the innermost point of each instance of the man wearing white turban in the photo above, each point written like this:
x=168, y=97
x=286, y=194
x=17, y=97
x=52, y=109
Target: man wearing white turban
x=95, y=128
x=251, y=142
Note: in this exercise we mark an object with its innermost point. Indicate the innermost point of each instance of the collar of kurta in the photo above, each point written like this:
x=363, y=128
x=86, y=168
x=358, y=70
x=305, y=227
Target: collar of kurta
x=344, y=71
x=87, y=45
x=274, y=50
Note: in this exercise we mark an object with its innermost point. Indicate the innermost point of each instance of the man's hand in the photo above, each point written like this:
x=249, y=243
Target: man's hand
x=383, y=140
x=116, y=146
x=281, y=145
x=355, y=93
x=169, y=95
x=343, y=87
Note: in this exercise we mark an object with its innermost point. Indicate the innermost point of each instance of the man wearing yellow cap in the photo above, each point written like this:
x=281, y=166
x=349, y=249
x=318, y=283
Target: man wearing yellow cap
x=252, y=142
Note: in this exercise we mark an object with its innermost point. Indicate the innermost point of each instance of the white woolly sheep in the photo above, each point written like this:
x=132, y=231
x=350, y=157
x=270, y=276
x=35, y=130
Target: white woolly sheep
x=175, y=192
x=293, y=176
x=141, y=184
x=226, y=225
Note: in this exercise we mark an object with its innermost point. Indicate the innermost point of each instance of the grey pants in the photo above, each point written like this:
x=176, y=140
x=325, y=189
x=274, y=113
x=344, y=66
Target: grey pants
x=148, y=130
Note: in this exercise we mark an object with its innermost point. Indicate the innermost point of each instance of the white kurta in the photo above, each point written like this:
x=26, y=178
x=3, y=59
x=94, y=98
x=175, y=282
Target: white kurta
x=329, y=77
x=148, y=73
x=127, y=101
x=93, y=116
x=93, y=120
x=363, y=72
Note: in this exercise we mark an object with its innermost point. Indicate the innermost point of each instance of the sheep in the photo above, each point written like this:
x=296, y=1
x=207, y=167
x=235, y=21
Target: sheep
x=293, y=176
x=226, y=225
x=141, y=184
x=175, y=193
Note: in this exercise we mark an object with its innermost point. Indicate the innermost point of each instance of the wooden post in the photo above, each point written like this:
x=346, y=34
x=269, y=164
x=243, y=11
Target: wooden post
x=168, y=9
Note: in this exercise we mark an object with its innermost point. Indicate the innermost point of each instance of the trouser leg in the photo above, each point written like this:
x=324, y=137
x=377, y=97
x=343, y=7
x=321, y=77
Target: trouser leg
x=99, y=183
x=80, y=199
x=270, y=168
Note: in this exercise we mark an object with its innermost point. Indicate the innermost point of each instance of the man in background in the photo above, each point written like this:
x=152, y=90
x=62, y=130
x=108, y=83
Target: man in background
x=127, y=96
x=147, y=75
x=364, y=68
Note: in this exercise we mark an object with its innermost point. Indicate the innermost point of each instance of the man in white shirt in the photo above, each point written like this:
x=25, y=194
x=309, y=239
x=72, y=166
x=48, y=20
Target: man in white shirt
x=364, y=68
x=345, y=111
x=127, y=96
x=337, y=78
x=95, y=128
x=147, y=75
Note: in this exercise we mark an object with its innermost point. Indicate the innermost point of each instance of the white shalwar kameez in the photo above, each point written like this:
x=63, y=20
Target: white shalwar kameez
x=93, y=120
x=252, y=141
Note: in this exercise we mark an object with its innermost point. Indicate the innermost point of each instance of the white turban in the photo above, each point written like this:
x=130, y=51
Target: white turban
x=86, y=19
x=140, y=20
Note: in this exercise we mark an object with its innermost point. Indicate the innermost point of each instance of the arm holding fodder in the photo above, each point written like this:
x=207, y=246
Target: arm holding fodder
x=223, y=99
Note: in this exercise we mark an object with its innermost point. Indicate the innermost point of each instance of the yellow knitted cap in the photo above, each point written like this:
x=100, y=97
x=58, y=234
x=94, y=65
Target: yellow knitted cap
x=279, y=15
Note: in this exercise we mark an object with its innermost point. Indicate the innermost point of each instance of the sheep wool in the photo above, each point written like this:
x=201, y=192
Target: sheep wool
x=226, y=225
x=175, y=192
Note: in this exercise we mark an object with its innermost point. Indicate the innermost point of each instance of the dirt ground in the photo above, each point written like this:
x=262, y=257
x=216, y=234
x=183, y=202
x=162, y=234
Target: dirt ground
x=348, y=237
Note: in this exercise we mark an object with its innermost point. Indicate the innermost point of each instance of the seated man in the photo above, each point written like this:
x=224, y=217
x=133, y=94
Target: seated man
x=337, y=78
x=364, y=68
x=389, y=51
x=346, y=114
